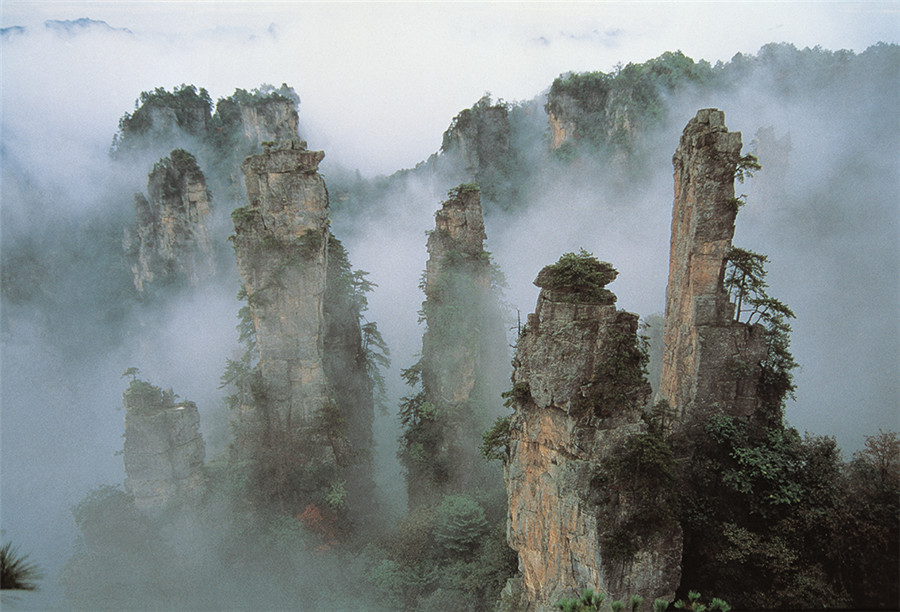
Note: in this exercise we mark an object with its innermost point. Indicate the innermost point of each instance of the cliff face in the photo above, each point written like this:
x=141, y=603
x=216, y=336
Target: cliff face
x=164, y=451
x=574, y=517
x=269, y=120
x=710, y=361
x=461, y=350
x=280, y=244
x=306, y=413
x=169, y=242
x=479, y=136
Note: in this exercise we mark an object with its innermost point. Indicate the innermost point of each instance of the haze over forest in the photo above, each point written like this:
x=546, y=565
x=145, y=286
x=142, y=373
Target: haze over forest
x=378, y=86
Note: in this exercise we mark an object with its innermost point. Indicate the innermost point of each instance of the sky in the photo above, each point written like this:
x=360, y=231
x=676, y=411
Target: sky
x=379, y=82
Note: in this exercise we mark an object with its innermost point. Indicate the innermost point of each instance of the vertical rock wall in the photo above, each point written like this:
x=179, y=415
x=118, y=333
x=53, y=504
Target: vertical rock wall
x=463, y=355
x=169, y=243
x=280, y=244
x=164, y=451
x=710, y=361
x=578, y=396
x=269, y=120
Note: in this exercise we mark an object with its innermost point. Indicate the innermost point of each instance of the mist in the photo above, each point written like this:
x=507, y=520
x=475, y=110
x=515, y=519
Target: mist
x=378, y=86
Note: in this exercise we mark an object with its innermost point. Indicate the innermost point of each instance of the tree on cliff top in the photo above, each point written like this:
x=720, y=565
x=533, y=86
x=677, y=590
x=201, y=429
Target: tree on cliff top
x=581, y=276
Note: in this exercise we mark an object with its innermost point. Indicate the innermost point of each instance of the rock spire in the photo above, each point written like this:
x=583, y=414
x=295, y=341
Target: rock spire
x=164, y=451
x=169, y=242
x=710, y=361
x=576, y=518
x=462, y=351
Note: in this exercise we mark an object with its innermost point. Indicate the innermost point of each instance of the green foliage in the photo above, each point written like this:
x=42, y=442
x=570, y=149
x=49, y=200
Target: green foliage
x=745, y=282
x=186, y=101
x=694, y=604
x=590, y=601
x=620, y=370
x=337, y=496
x=143, y=398
x=495, y=441
x=460, y=524
x=643, y=472
x=171, y=174
x=580, y=276
x=17, y=571
x=746, y=166
x=442, y=557
x=462, y=189
x=520, y=392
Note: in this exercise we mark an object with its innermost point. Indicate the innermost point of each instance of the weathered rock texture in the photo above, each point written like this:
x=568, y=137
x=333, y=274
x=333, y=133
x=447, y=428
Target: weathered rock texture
x=711, y=362
x=479, y=136
x=462, y=353
x=164, y=450
x=307, y=419
x=272, y=119
x=169, y=243
x=280, y=244
x=578, y=396
x=589, y=109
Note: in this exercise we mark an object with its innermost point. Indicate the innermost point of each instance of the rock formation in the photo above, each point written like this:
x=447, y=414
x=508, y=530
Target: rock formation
x=271, y=119
x=576, y=518
x=461, y=350
x=307, y=419
x=711, y=362
x=169, y=243
x=479, y=136
x=280, y=244
x=164, y=451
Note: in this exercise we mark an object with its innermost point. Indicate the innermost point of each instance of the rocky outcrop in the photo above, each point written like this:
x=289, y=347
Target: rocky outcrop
x=280, y=244
x=577, y=518
x=164, y=451
x=479, y=137
x=462, y=351
x=272, y=119
x=711, y=362
x=306, y=411
x=169, y=243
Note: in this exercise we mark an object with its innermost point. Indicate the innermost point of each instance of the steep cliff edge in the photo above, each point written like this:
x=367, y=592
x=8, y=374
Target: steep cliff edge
x=577, y=515
x=305, y=411
x=169, y=242
x=280, y=244
x=164, y=451
x=462, y=348
x=710, y=361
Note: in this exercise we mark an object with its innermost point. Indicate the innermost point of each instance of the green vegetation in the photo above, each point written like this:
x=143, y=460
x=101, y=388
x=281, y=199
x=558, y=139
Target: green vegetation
x=495, y=441
x=620, y=370
x=17, y=571
x=449, y=556
x=771, y=519
x=581, y=277
x=589, y=601
x=745, y=282
x=143, y=398
x=189, y=106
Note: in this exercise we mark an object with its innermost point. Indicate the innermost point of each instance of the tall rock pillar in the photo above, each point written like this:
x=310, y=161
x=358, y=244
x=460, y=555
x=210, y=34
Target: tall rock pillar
x=463, y=356
x=280, y=243
x=710, y=361
x=164, y=451
x=578, y=517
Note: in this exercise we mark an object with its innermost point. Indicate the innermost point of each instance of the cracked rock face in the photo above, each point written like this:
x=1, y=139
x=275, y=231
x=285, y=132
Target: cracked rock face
x=570, y=417
x=169, y=242
x=164, y=454
x=703, y=343
x=280, y=244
